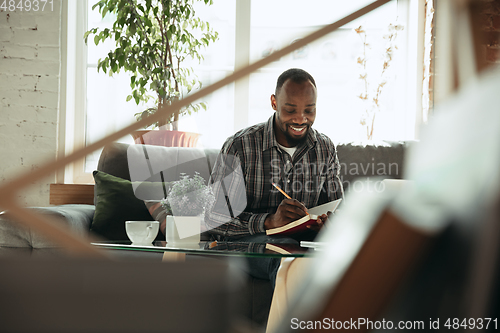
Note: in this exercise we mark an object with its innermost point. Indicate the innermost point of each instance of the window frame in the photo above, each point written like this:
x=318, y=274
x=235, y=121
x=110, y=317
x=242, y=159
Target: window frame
x=73, y=91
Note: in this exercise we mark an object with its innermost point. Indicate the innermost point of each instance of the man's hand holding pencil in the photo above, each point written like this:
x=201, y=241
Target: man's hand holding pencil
x=288, y=211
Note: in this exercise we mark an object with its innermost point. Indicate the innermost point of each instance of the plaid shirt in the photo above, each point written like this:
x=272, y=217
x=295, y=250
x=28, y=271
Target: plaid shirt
x=311, y=176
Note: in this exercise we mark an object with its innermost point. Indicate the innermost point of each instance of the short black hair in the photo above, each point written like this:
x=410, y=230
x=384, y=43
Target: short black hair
x=297, y=75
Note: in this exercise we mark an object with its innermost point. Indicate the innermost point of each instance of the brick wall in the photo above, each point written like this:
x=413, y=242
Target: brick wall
x=29, y=94
x=491, y=29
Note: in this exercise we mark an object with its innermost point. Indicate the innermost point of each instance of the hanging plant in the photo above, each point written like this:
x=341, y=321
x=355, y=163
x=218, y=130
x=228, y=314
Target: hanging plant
x=374, y=86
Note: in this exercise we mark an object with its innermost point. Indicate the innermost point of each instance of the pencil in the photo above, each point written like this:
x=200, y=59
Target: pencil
x=286, y=195
x=278, y=188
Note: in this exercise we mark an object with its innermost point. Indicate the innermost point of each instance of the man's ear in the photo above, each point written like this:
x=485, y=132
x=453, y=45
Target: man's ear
x=274, y=104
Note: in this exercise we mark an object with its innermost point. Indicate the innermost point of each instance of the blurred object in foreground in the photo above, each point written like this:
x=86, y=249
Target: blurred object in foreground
x=68, y=295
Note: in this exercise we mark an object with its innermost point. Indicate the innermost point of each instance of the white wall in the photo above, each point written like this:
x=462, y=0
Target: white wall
x=30, y=64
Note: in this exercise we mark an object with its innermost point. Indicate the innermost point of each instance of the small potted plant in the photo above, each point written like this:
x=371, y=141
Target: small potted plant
x=186, y=203
x=154, y=38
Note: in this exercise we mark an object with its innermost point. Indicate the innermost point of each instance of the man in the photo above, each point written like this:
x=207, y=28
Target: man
x=286, y=151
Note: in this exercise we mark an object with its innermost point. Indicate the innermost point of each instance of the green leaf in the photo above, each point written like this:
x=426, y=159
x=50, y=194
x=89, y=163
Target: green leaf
x=86, y=34
x=129, y=97
x=121, y=60
x=104, y=11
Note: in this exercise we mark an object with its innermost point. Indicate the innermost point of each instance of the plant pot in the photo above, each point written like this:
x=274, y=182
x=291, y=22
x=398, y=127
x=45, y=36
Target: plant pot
x=183, y=230
x=166, y=138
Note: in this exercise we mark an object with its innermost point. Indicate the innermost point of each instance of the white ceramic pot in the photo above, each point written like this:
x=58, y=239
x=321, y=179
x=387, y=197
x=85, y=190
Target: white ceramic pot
x=182, y=230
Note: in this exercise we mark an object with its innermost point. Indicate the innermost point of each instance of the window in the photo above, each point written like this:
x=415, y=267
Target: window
x=333, y=62
x=258, y=27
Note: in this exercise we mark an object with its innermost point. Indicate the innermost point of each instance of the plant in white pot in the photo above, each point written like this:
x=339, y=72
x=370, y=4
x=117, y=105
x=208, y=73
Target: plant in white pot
x=154, y=41
x=186, y=203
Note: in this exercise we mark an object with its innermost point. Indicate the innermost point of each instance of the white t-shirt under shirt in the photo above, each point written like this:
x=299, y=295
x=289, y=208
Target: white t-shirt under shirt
x=290, y=150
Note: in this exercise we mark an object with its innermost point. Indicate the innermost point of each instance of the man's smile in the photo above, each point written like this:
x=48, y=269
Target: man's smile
x=297, y=130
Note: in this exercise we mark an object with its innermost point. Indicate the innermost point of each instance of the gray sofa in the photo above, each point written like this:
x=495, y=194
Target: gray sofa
x=384, y=160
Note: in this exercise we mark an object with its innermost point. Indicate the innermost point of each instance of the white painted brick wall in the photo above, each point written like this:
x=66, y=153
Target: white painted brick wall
x=30, y=64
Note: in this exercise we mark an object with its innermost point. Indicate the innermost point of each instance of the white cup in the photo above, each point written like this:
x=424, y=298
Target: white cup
x=142, y=232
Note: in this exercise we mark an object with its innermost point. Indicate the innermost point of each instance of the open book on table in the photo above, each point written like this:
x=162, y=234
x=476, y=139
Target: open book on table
x=301, y=224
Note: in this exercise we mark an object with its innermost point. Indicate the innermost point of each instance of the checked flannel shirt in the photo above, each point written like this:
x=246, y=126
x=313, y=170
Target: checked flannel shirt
x=250, y=161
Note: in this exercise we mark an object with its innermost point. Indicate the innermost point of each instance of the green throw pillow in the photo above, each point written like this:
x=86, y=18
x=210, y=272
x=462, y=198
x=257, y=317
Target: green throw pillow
x=116, y=203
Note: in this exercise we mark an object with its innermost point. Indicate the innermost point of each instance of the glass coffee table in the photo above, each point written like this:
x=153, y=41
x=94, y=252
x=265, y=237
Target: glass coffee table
x=213, y=248
x=293, y=260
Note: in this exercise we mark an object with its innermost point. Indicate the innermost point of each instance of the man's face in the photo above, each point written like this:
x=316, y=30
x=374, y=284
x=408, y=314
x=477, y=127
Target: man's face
x=295, y=108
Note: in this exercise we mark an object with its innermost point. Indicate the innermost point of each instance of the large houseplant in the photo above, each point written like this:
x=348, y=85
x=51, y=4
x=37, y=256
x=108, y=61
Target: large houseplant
x=154, y=38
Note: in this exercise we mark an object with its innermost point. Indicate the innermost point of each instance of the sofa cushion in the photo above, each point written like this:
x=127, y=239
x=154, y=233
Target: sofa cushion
x=115, y=203
x=113, y=160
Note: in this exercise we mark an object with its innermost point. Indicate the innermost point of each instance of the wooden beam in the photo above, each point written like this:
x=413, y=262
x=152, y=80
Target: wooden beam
x=63, y=194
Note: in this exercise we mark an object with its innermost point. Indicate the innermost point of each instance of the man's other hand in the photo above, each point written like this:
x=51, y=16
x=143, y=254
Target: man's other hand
x=320, y=222
x=288, y=211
